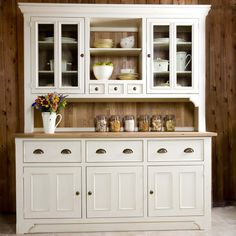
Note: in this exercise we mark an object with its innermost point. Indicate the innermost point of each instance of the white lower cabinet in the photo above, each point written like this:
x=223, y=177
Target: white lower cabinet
x=113, y=184
x=52, y=192
x=175, y=190
x=115, y=191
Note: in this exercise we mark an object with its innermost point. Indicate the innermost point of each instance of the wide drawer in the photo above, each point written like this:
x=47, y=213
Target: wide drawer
x=52, y=151
x=175, y=150
x=115, y=150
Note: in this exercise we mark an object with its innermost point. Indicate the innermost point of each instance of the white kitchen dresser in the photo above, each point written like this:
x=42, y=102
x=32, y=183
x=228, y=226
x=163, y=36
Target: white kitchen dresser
x=74, y=181
x=77, y=182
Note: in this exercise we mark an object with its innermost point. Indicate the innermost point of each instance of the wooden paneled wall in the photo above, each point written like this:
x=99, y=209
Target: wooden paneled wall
x=221, y=91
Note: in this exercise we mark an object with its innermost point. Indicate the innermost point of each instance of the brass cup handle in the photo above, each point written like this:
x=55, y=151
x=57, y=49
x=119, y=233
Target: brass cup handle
x=162, y=150
x=66, y=151
x=101, y=151
x=89, y=193
x=188, y=150
x=128, y=151
x=38, y=151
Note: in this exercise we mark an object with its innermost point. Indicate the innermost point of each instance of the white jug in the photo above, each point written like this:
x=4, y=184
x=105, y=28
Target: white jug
x=49, y=121
x=181, y=60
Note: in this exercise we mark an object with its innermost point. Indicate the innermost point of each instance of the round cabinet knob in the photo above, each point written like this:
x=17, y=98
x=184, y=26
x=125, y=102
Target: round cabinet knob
x=115, y=88
x=148, y=55
x=81, y=55
x=77, y=193
x=89, y=193
x=96, y=89
x=134, y=88
x=151, y=192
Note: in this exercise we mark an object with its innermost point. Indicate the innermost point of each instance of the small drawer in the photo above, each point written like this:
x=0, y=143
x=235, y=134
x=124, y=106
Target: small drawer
x=96, y=88
x=52, y=151
x=115, y=88
x=175, y=150
x=135, y=88
x=115, y=150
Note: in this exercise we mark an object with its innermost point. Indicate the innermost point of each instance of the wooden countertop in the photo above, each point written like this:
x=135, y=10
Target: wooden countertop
x=115, y=135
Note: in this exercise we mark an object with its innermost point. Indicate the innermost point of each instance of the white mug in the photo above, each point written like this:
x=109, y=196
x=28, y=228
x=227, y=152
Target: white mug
x=181, y=60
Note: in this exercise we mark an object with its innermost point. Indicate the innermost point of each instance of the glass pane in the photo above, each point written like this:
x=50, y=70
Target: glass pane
x=184, y=56
x=46, y=55
x=69, y=60
x=161, y=48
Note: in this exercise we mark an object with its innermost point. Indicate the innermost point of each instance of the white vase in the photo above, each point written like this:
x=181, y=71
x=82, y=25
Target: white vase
x=49, y=121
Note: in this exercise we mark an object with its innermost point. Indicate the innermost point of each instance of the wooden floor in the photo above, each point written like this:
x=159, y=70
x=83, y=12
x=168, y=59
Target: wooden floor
x=223, y=224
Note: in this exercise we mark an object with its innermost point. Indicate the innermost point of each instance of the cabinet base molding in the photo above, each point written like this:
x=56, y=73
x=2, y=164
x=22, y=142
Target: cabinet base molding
x=106, y=227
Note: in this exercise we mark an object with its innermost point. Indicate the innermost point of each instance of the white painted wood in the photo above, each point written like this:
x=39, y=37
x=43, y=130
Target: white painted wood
x=175, y=150
x=50, y=192
x=177, y=190
x=120, y=183
x=52, y=151
x=115, y=191
x=114, y=151
x=118, y=17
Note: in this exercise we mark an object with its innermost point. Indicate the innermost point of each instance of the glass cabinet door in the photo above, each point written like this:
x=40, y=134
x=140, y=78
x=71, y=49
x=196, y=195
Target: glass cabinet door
x=69, y=55
x=183, y=56
x=58, y=57
x=172, y=53
x=45, y=66
x=161, y=56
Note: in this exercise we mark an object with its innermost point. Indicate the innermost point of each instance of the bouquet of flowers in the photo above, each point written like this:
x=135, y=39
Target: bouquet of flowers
x=52, y=102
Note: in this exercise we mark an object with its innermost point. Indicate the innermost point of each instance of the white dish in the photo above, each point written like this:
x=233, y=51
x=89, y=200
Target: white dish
x=63, y=39
x=166, y=40
x=125, y=71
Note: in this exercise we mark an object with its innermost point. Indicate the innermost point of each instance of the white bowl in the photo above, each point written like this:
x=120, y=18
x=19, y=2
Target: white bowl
x=126, y=71
x=102, y=72
x=127, y=42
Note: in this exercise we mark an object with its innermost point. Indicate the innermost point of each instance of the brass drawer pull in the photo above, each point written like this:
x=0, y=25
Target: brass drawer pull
x=101, y=151
x=38, y=151
x=162, y=150
x=128, y=151
x=188, y=150
x=66, y=151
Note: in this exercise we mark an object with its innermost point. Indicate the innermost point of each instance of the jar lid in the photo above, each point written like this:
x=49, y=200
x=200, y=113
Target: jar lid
x=144, y=117
x=129, y=117
x=115, y=117
x=156, y=117
x=101, y=117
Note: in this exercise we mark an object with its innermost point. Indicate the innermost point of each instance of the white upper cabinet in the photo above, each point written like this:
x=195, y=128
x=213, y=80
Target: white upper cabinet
x=57, y=54
x=172, y=55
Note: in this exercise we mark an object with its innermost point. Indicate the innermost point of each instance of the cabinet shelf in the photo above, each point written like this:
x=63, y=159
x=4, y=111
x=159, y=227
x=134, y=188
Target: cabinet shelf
x=180, y=45
x=115, y=51
x=63, y=72
x=166, y=73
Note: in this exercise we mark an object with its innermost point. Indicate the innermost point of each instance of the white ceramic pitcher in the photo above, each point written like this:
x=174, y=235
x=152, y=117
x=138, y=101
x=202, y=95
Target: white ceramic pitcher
x=49, y=121
x=181, y=60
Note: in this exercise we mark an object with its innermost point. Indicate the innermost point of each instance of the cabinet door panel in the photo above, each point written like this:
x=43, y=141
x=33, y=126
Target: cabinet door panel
x=52, y=192
x=114, y=191
x=175, y=190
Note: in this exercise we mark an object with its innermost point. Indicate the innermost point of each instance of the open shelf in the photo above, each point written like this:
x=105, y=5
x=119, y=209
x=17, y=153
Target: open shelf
x=115, y=51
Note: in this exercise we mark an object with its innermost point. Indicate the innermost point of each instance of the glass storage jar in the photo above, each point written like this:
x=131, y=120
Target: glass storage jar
x=143, y=123
x=101, y=123
x=115, y=123
x=170, y=123
x=156, y=123
x=129, y=123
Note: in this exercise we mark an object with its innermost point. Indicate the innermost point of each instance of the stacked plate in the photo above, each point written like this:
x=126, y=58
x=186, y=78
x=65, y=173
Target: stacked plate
x=128, y=76
x=103, y=43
